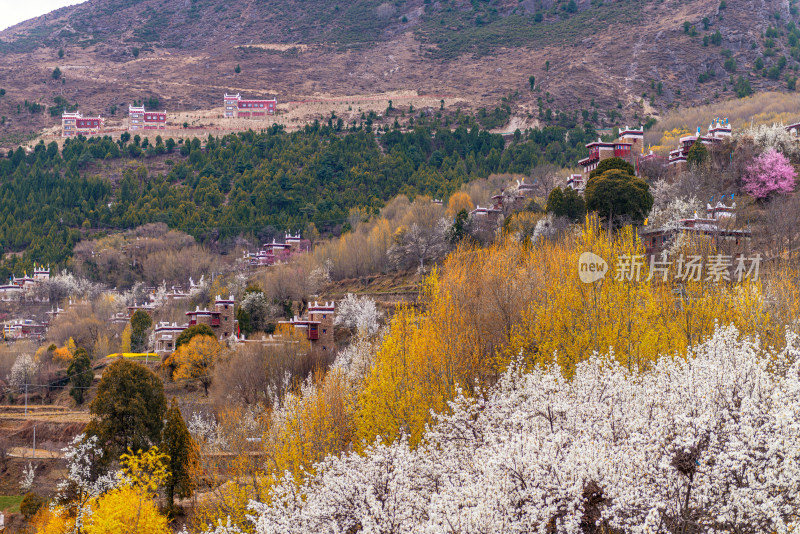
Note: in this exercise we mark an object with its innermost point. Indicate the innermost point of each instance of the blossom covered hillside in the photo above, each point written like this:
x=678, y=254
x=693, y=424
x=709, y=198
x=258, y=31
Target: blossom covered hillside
x=705, y=444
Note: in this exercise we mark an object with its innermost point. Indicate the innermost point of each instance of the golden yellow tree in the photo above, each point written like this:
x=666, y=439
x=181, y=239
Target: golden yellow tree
x=131, y=508
x=47, y=521
x=459, y=201
x=126, y=339
x=196, y=360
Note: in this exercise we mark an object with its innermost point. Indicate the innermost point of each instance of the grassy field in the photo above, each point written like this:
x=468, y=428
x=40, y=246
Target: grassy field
x=10, y=503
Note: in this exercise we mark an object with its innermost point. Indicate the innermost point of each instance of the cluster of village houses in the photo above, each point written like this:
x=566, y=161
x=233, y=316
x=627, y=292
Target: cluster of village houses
x=272, y=253
x=236, y=107
x=16, y=287
x=629, y=145
x=316, y=325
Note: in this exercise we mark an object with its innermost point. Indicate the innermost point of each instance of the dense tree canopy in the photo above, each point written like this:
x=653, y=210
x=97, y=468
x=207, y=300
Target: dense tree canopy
x=140, y=324
x=612, y=163
x=697, y=154
x=619, y=196
x=239, y=184
x=184, y=457
x=80, y=375
x=128, y=410
x=566, y=203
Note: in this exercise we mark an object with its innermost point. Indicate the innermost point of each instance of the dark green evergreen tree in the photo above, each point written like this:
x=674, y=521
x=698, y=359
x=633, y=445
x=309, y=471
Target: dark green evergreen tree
x=619, y=197
x=140, y=324
x=128, y=411
x=80, y=375
x=184, y=457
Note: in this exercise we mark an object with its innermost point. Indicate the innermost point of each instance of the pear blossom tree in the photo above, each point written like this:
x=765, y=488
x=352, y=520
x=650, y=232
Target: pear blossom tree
x=702, y=444
x=772, y=137
x=83, y=481
x=23, y=371
x=769, y=174
x=358, y=313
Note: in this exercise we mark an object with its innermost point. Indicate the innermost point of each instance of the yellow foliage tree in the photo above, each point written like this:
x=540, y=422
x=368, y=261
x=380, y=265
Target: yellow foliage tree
x=458, y=201
x=126, y=339
x=62, y=355
x=131, y=508
x=47, y=521
x=315, y=421
x=127, y=510
x=492, y=305
x=196, y=360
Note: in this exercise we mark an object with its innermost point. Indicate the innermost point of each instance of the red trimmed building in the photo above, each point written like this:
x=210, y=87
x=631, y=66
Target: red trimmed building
x=221, y=320
x=73, y=124
x=489, y=213
x=626, y=146
x=317, y=325
x=718, y=130
x=717, y=224
x=272, y=253
x=576, y=182
x=238, y=108
x=140, y=119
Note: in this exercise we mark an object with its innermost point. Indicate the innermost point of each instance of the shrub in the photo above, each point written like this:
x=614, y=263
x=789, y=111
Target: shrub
x=31, y=503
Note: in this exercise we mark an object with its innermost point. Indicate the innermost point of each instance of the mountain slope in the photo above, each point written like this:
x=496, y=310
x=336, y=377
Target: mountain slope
x=585, y=55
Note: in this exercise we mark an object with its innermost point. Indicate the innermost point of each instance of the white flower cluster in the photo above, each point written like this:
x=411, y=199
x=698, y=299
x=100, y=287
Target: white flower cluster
x=355, y=361
x=63, y=285
x=703, y=444
x=23, y=371
x=207, y=432
x=28, y=476
x=82, y=482
x=360, y=313
x=669, y=207
x=775, y=136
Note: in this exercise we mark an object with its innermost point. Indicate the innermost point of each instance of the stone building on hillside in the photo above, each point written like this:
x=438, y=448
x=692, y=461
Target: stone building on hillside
x=719, y=224
x=221, y=320
x=140, y=119
x=275, y=252
x=629, y=145
x=73, y=124
x=238, y=108
x=317, y=326
x=718, y=130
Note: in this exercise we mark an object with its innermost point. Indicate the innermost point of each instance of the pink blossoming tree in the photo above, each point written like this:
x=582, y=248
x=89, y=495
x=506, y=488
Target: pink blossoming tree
x=769, y=173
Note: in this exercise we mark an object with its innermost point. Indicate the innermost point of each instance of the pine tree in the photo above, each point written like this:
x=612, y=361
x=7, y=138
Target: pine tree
x=81, y=374
x=140, y=323
x=183, y=456
x=698, y=154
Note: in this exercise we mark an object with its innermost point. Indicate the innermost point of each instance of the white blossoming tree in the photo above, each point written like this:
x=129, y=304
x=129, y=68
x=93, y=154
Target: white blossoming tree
x=702, y=444
x=23, y=371
x=775, y=136
x=83, y=482
x=358, y=313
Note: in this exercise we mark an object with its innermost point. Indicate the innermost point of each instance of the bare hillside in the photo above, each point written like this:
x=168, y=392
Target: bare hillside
x=607, y=61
